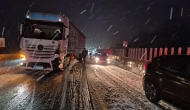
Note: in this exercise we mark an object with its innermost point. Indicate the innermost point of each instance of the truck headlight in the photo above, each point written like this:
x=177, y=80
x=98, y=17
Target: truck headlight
x=108, y=62
x=23, y=57
x=27, y=16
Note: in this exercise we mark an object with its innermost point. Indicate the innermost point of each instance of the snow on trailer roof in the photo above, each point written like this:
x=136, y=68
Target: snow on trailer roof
x=45, y=16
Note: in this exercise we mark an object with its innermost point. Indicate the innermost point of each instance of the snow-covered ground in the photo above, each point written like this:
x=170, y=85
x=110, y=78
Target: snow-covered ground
x=9, y=71
x=8, y=66
x=95, y=87
x=120, y=89
x=6, y=79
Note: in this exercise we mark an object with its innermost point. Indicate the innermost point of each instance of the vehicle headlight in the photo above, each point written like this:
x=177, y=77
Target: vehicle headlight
x=108, y=59
x=23, y=57
x=97, y=58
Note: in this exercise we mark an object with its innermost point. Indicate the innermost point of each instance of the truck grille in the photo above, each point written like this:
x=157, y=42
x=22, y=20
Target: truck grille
x=46, y=53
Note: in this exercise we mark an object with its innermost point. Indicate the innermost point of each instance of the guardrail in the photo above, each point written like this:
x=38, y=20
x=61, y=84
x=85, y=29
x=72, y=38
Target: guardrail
x=147, y=54
x=138, y=57
x=133, y=65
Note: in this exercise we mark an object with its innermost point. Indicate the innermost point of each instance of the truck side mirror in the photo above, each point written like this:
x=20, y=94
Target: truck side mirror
x=2, y=42
x=21, y=25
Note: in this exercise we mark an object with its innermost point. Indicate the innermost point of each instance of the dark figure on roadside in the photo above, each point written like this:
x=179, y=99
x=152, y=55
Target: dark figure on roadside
x=84, y=54
x=90, y=54
x=80, y=58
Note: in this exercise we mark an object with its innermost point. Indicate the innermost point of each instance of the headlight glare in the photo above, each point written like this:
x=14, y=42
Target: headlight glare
x=97, y=58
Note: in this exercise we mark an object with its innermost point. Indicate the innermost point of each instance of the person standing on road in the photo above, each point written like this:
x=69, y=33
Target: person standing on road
x=84, y=54
x=80, y=58
x=90, y=54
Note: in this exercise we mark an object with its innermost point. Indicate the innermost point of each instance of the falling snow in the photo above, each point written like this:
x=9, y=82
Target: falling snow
x=83, y=11
x=153, y=39
x=143, y=55
x=115, y=33
x=101, y=14
x=131, y=26
x=175, y=34
x=3, y=31
x=136, y=39
x=181, y=11
x=114, y=10
x=31, y=5
x=92, y=7
x=88, y=4
x=109, y=28
x=147, y=8
x=171, y=13
x=100, y=17
x=109, y=16
x=90, y=16
x=139, y=6
x=126, y=12
x=99, y=9
x=106, y=21
x=83, y=29
x=147, y=21
x=123, y=18
x=151, y=4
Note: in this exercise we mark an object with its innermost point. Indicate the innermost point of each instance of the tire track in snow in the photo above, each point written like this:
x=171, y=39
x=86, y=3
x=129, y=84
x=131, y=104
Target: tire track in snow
x=127, y=89
x=113, y=97
x=121, y=76
x=98, y=96
x=78, y=94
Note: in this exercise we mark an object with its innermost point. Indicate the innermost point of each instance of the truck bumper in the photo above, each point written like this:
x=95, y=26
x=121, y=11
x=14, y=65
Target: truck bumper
x=30, y=68
x=37, y=65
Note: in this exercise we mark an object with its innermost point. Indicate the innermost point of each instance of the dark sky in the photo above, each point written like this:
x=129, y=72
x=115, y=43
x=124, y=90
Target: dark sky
x=104, y=22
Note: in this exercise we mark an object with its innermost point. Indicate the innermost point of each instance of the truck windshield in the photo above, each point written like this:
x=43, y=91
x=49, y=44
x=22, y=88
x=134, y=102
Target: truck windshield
x=42, y=31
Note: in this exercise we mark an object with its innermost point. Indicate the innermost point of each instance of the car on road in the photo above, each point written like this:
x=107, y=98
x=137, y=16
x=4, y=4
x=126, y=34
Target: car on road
x=168, y=78
x=101, y=58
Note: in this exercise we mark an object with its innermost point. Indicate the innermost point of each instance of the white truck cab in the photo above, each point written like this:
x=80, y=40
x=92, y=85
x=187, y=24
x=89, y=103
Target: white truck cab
x=44, y=41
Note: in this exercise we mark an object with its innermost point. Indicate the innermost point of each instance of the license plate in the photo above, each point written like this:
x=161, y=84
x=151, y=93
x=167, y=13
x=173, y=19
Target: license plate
x=38, y=67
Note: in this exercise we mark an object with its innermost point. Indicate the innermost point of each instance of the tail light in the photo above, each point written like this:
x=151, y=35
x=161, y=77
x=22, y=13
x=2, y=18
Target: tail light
x=145, y=66
x=145, y=69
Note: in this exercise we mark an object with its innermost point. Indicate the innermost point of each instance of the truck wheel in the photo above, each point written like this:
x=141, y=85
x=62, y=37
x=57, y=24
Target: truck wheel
x=152, y=92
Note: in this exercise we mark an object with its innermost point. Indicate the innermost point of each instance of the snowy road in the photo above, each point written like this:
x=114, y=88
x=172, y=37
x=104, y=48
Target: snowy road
x=30, y=90
x=94, y=87
x=117, y=89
